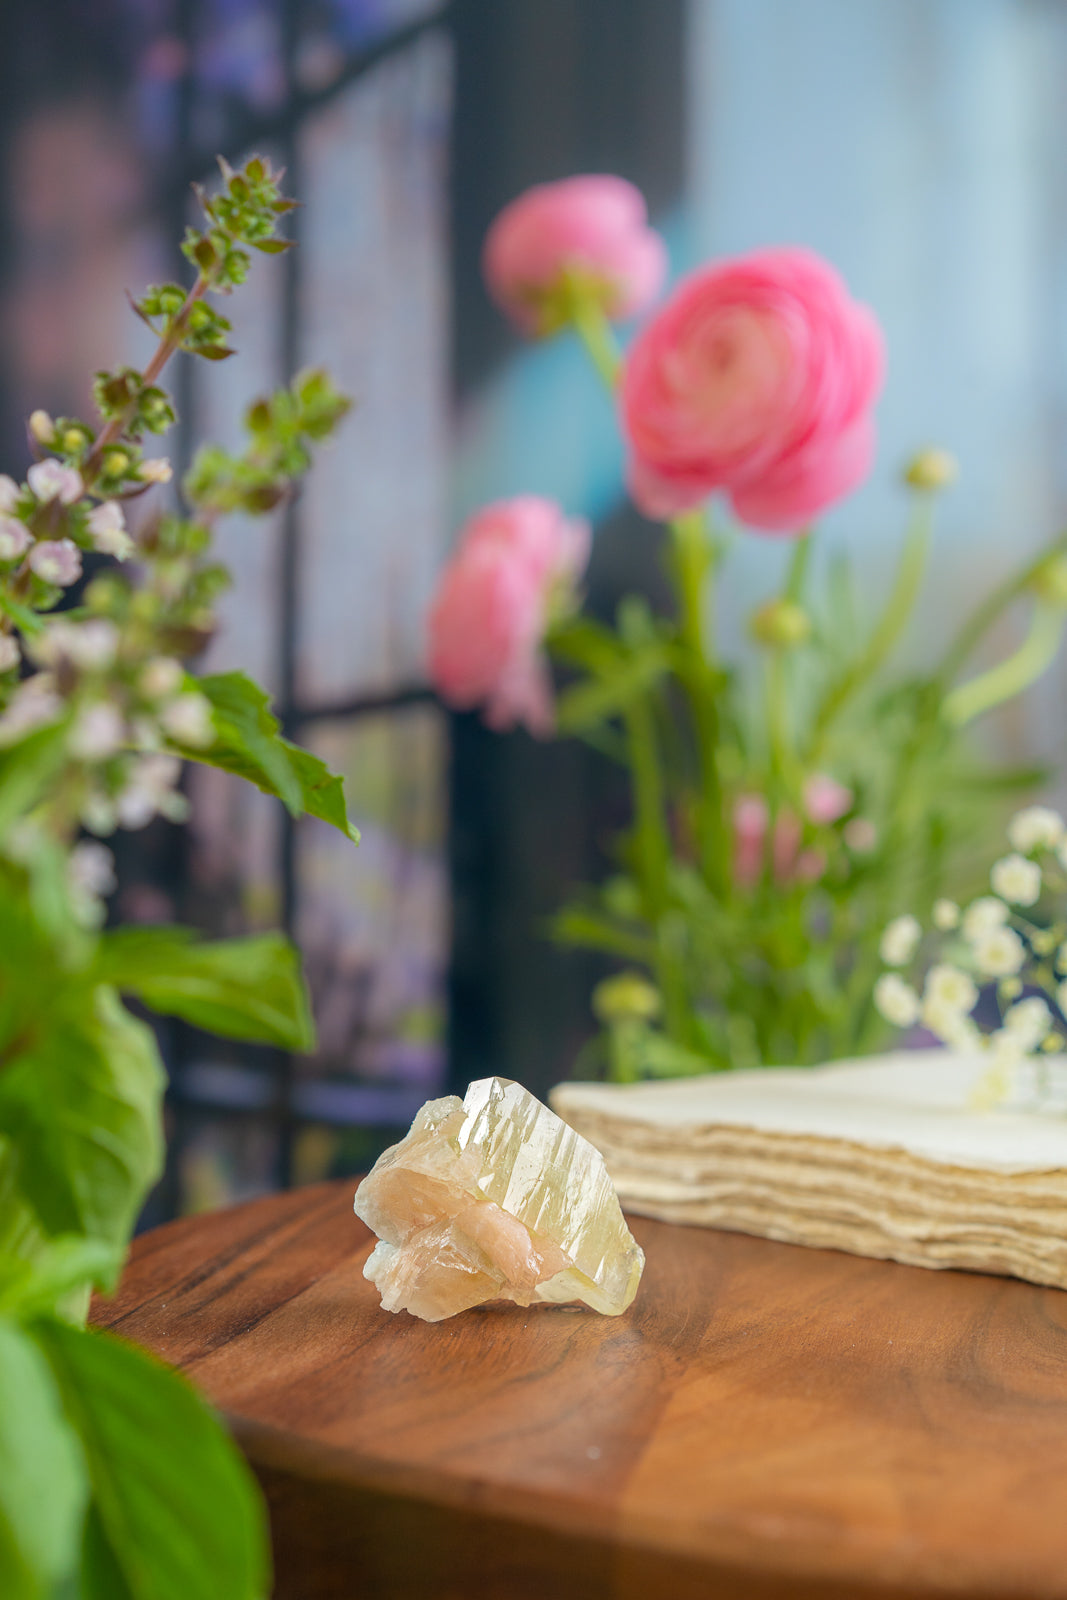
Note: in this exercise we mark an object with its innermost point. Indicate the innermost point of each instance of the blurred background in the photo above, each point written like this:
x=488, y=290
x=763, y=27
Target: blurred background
x=920, y=144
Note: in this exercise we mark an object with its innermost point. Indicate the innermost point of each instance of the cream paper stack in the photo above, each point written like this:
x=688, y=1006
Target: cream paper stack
x=881, y=1157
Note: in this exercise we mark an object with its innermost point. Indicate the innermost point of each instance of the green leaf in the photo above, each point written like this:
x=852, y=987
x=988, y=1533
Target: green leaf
x=272, y=247
x=24, y=617
x=43, y=1485
x=31, y=1287
x=322, y=791
x=242, y=988
x=27, y=769
x=587, y=704
x=81, y=1102
x=176, y=1510
x=248, y=742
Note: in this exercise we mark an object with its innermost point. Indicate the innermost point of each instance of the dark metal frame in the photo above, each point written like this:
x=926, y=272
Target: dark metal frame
x=287, y=1102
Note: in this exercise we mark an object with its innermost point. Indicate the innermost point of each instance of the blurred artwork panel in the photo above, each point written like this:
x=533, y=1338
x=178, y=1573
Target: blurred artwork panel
x=374, y=308
x=373, y=921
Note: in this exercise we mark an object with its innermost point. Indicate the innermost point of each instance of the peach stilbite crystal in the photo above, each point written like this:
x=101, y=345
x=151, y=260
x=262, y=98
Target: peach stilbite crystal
x=495, y=1198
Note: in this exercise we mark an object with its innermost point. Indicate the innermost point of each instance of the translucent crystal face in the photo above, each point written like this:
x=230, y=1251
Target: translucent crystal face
x=495, y=1198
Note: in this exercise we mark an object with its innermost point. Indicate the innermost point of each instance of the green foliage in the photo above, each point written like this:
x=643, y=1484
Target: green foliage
x=282, y=428
x=43, y=1483
x=248, y=743
x=116, y=1481
x=173, y=1513
x=241, y=988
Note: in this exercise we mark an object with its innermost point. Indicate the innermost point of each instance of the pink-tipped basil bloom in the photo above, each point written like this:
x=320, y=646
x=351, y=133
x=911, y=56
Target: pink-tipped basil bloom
x=756, y=378
x=594, y=229
x=516, y=561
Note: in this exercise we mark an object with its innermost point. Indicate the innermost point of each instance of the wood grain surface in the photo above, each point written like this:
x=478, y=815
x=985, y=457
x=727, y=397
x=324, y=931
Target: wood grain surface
x=764, y=1421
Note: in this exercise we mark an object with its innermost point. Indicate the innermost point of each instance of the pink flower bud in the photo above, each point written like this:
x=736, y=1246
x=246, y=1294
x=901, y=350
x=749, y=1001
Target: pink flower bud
x=56, y=561
x=51, y=480
x=826, y=800
x=494, y=602
x=750, y=834
x=594, y=229
x=757, y=378
x=9, y=493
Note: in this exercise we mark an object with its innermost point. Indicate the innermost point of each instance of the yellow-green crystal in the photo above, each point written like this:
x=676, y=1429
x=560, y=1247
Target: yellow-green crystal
x=490, y=1198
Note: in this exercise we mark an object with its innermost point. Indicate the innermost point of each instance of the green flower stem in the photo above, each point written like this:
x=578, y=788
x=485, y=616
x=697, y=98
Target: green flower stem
x=596, y=333
x=797, y=573
x=653, y=857
x=692, y=565
x=167, y=346
x=888, y=629
x=780, y=744
x=978, y=624
x=778, y=741
x=1010, y=677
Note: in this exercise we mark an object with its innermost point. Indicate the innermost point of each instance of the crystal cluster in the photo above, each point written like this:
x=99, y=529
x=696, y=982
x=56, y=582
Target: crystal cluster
x=495, y=1198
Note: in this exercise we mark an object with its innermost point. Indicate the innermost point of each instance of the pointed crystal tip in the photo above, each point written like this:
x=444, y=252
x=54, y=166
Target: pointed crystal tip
x=495, y=1198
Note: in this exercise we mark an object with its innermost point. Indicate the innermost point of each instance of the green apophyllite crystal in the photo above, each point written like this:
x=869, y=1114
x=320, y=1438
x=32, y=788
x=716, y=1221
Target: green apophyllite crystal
x=491, y=1198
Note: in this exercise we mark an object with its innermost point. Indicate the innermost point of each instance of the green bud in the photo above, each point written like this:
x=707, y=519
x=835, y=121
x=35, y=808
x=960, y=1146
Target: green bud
x=780, y=625
x=115, y=463
x=932, y=469
x=626, y=997
x=1010, y=989
x=1050, y=580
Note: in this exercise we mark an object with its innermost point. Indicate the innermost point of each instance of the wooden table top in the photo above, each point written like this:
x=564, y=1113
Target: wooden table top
x=764, y=1421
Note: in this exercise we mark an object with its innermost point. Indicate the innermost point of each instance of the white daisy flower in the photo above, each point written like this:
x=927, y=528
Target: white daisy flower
x=982, y=915
x=900, y=941
x=999, y=953
x=1016, y=880
x=896, y=1000
x=1035, y=828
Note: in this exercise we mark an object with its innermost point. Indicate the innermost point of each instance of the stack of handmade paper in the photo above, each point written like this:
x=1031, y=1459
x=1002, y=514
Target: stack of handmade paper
x=884, y=1157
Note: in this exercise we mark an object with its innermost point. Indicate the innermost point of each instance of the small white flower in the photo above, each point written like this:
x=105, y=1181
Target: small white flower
x=949, y=986
x=9, y=493
x=946, y=915
x=982, y=915
x=42, y=427
x=151, y=790
x=14, y=538
x=90, y=645
x=91, y=868
x=161, y=677
x=98, y=814
x=51, y=480
x=1016, y=880
x=999, y=952
x=56, y=561
x=861, y=835
x=98, y=733
x=34, y=703
x=900, y=941
x=896, y=1000
x=187, y=720
x=1028, y=1022
x=9, y=652
x=157, y=471
x=107, y=526
x=949, y=1024
x=1035, y=828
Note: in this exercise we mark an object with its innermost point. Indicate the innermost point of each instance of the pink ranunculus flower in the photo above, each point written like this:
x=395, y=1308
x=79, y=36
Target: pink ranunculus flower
x=516, y=560
x=756, y=378
x=593, y=227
